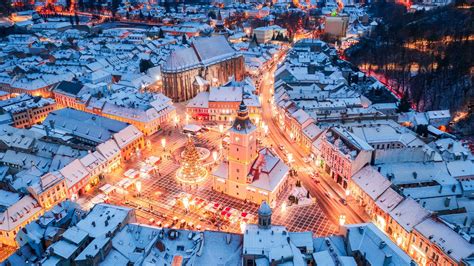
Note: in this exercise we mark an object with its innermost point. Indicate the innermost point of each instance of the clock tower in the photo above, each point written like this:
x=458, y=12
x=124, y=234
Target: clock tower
x=242, y=152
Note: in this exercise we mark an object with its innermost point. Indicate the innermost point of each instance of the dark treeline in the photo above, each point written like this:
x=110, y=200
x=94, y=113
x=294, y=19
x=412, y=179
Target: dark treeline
x=427, y=54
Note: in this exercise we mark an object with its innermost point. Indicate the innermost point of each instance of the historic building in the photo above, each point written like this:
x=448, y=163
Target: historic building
x=209, y=61
x=249, y=174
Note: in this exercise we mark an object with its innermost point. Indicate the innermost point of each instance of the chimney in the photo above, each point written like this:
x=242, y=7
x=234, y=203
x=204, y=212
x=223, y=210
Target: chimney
x=387, y=260
x=447, y=201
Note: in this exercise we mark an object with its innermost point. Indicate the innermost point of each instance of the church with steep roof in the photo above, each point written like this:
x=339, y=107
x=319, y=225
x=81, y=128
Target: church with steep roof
x=250, y=174
x=209, y=61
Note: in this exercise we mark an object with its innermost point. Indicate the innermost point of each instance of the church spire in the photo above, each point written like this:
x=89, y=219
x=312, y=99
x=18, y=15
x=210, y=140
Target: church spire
x=242, y=121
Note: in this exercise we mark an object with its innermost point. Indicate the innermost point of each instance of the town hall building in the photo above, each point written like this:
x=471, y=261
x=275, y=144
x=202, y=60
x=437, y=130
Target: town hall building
x=250, y=174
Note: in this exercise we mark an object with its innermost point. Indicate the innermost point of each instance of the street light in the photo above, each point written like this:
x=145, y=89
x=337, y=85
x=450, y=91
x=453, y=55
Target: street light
x=342, y=219
x=187, y=118
x=138, y=187
x=348, y=193
x=290, y=157
x=283, y=207
x=243, y=225
x=186, y=203
x=214, y=156
x=221, y=128
x=163, y=143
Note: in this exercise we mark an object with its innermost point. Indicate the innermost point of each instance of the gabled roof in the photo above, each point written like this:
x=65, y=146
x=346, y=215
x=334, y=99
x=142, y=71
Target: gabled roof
x=72, y=88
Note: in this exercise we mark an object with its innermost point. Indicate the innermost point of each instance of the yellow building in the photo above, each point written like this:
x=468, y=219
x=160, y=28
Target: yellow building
x=50, y=191
x=16, y=216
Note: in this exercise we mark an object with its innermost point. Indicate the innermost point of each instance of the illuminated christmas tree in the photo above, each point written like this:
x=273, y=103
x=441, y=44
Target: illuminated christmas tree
x=191, y=171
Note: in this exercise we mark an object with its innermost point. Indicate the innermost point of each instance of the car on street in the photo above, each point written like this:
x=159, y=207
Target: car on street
x=343, y=201
x=281, y=147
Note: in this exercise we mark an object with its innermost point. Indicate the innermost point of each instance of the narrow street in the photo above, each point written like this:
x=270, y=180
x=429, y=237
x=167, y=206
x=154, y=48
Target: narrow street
x=328, y=193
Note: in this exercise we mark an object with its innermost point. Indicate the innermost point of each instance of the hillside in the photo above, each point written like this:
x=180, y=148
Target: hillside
x=426, y=55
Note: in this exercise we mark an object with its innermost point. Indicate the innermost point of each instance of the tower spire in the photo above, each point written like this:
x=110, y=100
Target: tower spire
x=242, y=121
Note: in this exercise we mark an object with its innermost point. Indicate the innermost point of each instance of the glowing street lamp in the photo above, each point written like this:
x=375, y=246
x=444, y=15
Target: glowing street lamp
x=265, y=129
x=163, y=143
x=243, y=225
x=283, y=207
x=348, y=193
x=342, y=220
x=221, y=128
x=176, y=120
x=290, y=157
x=187, y=118
x=215, y=156
x=138, y=187
x=186, y=204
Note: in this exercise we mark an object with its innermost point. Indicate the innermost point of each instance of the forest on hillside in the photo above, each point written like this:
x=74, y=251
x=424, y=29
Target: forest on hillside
x=426, y=55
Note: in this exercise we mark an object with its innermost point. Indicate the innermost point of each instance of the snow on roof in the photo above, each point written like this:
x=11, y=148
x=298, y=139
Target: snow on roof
x=388, y=200
x=408, y=214
x=220, y=248
x=16, y=214
x=371, y=182
x=92, y=161
x=181, y=59
x=49, y=179
x=97, y=245
x=271, y=243
x=75, y=235
x=225, y=94
x=74, y=172
x=417, y=172
x=222, y=170
x=377, y=247
x=100, y=121
x=439, y=114
x=25, y=160
x=450, y=242
x=212, y=48
x=201, y=100
x=127, y=135
x=104, y=218
x=63, y=249
x=311, y=131
x=353, y=139
x=273, y=171
x=302, y=239
x=8, y=198
x=383, y=133
x=115, y=258
x=459, y=169
x=203, y=51
x=301, y=116
x=109, y=149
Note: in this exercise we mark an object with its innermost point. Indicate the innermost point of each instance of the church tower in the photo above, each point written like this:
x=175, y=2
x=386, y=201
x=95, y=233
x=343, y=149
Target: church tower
x=264, y=216
x=242, y=151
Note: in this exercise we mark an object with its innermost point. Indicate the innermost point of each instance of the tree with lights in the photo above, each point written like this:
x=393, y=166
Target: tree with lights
x=191, y=170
